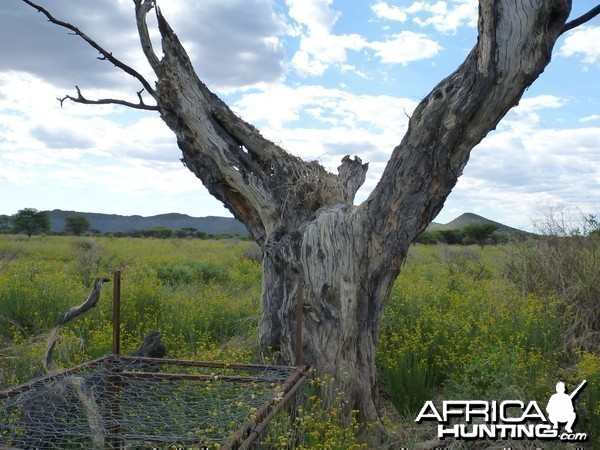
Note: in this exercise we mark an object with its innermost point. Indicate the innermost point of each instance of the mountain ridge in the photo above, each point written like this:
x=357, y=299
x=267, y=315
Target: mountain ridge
x=173, y=221
x=217, y=225
x=468, y=218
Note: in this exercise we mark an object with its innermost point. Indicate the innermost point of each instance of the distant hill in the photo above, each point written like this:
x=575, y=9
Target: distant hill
x=173, y=221
x=469, y=218
x=217, y=225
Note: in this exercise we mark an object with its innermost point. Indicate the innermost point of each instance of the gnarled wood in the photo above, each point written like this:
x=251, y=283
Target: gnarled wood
x=303, y=217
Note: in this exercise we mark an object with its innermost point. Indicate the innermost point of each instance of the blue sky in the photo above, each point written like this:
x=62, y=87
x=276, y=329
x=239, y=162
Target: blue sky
x=322, y=78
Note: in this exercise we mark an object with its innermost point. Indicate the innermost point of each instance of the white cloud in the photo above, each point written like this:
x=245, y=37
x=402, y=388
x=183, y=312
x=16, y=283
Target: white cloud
x=590, y=118
x=526, y=164
x=583, y=41
x=512, y=174
x=406, y=47
x=116, y=160
x=319, y=52
x=233, y=43
x=316, y=15
x=385, y=11
x=447, y=19
x=282, y=106
x=526, y=115
x=443, y=16
x=320, y=48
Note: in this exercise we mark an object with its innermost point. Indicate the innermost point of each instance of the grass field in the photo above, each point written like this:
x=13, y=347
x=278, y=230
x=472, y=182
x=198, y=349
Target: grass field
x=459, y=324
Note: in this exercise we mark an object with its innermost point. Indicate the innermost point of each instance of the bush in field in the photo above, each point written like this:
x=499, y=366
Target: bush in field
x=449, y=327
x=449, y=236
x=565, y=261
x=588, y=368
x=87, y=258
x=317, y=423
x=189, y=272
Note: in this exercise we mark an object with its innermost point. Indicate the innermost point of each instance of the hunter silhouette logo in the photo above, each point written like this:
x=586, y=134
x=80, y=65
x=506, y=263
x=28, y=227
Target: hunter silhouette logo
x=507, y=419
x=560, y=407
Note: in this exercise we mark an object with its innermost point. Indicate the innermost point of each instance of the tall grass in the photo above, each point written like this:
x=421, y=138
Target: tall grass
x=451, y=326
x=457, y=326
x=199, y=294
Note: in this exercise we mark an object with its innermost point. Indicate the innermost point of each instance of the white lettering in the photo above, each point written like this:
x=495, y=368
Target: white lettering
x=504, y=406
x=448, y=411
x=483, y=411
x=573, y=437
x=536, y=414
x=423, y=415
x=545, y=431
x=448, y=432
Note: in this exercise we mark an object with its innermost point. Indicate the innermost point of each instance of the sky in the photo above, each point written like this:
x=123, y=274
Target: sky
x=321, y=78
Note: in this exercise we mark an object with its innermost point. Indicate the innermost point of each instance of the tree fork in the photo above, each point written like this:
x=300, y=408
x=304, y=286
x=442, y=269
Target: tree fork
x=303, y=217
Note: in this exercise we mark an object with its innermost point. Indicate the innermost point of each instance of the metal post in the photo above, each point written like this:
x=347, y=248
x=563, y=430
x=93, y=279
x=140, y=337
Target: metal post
x=114, y=440
x=116, y=318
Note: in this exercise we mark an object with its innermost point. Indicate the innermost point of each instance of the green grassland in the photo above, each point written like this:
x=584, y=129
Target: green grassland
x=462, y=323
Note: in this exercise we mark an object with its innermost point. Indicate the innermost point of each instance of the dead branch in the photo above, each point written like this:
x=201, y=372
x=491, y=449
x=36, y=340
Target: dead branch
x=141, y=10
x=92, y=411
x=581, y=19
x=108, y=101
x=92, y=300
x=106, y=56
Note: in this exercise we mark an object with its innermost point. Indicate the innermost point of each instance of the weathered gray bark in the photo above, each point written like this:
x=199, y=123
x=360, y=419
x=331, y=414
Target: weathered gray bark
x=304, y=218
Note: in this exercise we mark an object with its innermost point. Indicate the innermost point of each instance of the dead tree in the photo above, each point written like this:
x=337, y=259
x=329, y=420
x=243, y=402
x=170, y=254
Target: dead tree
x=345, y=256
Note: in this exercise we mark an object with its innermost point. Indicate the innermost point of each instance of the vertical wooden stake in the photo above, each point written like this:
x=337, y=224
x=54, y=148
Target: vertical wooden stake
x=116, y=318
x=299, y=319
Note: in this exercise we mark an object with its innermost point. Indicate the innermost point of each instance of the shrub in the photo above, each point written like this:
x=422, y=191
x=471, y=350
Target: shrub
x=449, y=328
x=564, y=261
x=188, y=272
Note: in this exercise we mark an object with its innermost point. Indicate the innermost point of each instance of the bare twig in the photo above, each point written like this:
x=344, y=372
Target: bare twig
x=107, y=101
x=581, y=20
x=106, y=56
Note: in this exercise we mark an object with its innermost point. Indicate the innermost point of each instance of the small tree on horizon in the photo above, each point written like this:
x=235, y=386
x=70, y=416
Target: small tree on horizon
x=31, y=221
x=77, y=225
x=5, y=223
x=480, y=232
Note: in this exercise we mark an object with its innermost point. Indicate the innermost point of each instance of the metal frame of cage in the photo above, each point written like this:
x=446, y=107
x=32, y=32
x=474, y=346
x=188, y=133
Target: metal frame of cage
x=243, y=438
x=116, y=368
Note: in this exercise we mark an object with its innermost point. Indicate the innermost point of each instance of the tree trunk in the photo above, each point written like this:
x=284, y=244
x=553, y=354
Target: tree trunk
x=344, y=257
x=342, y=302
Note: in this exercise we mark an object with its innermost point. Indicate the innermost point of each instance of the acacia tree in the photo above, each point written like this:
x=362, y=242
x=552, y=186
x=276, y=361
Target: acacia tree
x=77, y=225
x=31, y=221
x=480, y=232
x=343, y=258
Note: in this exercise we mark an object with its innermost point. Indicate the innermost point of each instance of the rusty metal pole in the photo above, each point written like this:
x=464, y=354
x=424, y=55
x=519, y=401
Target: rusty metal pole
x=299, y=319
x=114, y=439
x=116, y=318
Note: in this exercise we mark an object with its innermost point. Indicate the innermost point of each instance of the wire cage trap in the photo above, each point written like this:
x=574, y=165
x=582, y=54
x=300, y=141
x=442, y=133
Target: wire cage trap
x=134, y=402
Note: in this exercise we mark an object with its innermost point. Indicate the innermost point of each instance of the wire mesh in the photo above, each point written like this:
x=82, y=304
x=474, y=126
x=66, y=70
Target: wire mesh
x=127, y=402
